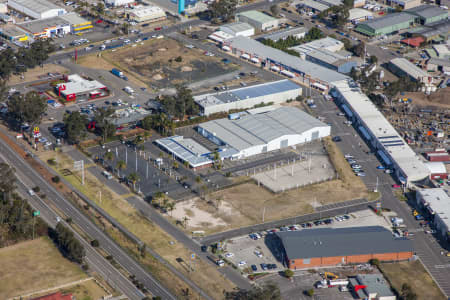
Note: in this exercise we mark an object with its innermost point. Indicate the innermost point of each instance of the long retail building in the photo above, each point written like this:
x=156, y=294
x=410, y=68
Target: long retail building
x=390, y=147
x=259, y=133
x=338, y=246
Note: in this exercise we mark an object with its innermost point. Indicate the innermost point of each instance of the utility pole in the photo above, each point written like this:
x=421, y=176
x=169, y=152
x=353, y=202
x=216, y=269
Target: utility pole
x=146, y=172
x=100, y=195
x=136, y=161
x=126, y=155
x=263, y=214
x=376, y=186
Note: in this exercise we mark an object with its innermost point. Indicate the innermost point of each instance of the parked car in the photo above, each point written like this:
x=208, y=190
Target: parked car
x=396, y=186
x=229, y=254
x=336, y=139
x=254, y=268
x=242, y=263
x=381, y=167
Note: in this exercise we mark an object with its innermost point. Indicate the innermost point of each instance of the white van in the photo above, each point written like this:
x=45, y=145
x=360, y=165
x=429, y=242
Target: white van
x=107, y=175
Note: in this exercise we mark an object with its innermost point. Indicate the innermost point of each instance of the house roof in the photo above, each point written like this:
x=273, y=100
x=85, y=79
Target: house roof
x=332, y=242
x=260, y=129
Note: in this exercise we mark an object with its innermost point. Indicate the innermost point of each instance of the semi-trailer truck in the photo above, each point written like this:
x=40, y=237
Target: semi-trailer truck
x=117, y=72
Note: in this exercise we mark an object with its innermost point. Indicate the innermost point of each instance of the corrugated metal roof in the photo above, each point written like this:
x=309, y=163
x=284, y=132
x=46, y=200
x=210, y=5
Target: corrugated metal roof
x=237, y=26
x=408, y=67
x=427, y=11
x=262, y=51
x=331, y=242
x=39, y=6
x=259, y=129
x=278, y=35
x=257, y=16
x=186, y=149
x=389, y=20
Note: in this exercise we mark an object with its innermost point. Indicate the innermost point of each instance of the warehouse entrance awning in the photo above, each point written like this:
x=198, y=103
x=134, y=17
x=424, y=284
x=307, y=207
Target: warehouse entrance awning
x=347, y=110
x=384, y=157
x=365, y=133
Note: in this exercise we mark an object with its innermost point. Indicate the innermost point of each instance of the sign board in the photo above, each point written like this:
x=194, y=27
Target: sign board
x=36, y=130
x=378, y=204
x=36, y=213
x=193, y=256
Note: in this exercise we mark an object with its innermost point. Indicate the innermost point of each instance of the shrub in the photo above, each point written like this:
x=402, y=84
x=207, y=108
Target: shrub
x=95, y=243
x=374, y=262
x=51, y=162
x=288, y=273
x=310, y=292
x=36, y=189
x=56, y=179
x=179, y=59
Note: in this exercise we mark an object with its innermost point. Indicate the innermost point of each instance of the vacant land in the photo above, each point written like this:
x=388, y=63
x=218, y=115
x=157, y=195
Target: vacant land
x=440, y=98
x=33, y=266
x=86, y=290
x=37, y=73
x=244, y=204
x=165, y=62
x=116, y=205
x=414, y=274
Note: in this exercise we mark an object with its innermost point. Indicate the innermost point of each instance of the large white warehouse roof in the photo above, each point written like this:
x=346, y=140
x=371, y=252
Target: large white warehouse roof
x=39, y=6
x=260, y=129
x=374, y=121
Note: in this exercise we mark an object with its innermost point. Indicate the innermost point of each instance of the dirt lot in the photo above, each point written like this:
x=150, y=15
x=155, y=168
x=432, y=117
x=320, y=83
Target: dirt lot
x=415, y=275
x=155, y=63
x=37, y=73
x=441, y=98
x=33, y=266
x=243, y=204
x=153, y=236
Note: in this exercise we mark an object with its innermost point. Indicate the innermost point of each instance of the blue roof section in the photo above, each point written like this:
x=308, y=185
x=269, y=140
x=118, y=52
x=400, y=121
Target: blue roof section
x=365, y=133
x=347, y=110
x=384, y=157
x=186, y=150
x=265, y=89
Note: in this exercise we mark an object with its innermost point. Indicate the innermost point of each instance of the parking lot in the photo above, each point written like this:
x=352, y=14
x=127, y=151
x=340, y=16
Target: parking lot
x=261, y=248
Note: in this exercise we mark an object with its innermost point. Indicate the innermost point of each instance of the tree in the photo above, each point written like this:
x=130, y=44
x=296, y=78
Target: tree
x=222, y=10
x=373, y=59
x=310, y=292
x=95, y=243
x=7, y=181
x=314, y=34
x=407, y=292
x=29, y=108
x=347, y=44
x=75, y=126
x=109, y=155
x=360, y=49
x=67, y=243
x=374, y=262
x=121, y=165
x=288, y=273
x=170, y=207
x=185, y=221
x=103, y=126
x=175, y=165
x=348, y=3
x=268, y=291
x=133, y=177
x=275, y=10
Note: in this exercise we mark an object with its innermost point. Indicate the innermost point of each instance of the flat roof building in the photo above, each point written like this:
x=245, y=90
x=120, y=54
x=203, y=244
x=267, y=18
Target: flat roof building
x=337, y=246
x=77, y=87
x=437, y=203
x=386, y=25
x=130, y=115
x=428, y=13
x=327, y=43
x=37, y=9
x=318, y=77
x=357, y=15
x=146, y=14
x=390, y=147
x=312, y=5
x=186, y=150
x=404, y=4
x=13, y=33
x=238, y=29
x=264, y=132
x=247, y=97
x=331, y=60
x=297, y=32
x=258, y=20
x=376, y=287
x=402, y=67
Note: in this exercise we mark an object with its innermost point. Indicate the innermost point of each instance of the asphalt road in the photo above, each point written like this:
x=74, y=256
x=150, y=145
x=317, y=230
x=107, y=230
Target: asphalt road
x=97, y=263
x=29, y=174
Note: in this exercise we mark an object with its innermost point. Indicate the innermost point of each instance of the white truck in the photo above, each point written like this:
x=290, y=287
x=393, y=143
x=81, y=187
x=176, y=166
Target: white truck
x=128, y=90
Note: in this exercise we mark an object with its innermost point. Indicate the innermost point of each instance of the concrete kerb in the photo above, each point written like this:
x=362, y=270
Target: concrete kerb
x=351, y=206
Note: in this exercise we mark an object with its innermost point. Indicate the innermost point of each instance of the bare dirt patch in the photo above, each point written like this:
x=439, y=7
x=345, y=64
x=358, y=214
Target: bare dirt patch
x=37, y=73
x=33, y=266
x=440, y=98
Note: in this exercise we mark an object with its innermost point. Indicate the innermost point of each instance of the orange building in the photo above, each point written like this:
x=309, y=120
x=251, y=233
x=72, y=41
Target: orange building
x=311, y=248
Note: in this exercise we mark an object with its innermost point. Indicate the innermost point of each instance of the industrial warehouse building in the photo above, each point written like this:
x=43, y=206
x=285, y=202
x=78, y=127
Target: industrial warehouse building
x=316, y=76
x=336, y=246
x=47, y=28
x=428, y=13
x=78, y=87
x=186, y=150
x=258, y=20
x=437, y=203
x=386, y=25
x=238, y=29
x=331, y=60
x=247, y=97
x=13, y=33
x=404, y=4
x=389, y=146
x=297, y=32
x=146, y=14
x=372, y=286
x=358, y=15
x=37, y=9
x=260, y=133
x=327, y=43
x=402, y=67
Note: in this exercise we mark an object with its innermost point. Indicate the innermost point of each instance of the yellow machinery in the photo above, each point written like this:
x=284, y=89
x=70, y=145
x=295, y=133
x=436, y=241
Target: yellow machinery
x=329, y=275
x=415, y=213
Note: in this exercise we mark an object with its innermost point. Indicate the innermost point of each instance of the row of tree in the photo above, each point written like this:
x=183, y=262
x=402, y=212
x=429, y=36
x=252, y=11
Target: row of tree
x=25, y=58
x=70, y=247
x=284, y=44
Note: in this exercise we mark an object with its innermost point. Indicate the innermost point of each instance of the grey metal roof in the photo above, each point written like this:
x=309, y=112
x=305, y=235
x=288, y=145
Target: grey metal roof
x=329, y=242
x=260, y=129
x=264, y=89
x=39, y=6
x=408, y=67
x=427, y=11
x=186, y=149
x=325, y=56
x=375, y=284
x=439, y=62
x=389, y=20
x=256, y=16
x=36, y=26
x=238, y=26
x=256, y=48
x=281, y=34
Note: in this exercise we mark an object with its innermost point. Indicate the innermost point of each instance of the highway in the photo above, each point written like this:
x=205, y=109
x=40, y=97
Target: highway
x=28, y=174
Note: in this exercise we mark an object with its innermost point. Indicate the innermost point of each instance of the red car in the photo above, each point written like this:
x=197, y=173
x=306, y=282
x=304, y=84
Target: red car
x=99, y=21
x=158, y=28
x=396, y=186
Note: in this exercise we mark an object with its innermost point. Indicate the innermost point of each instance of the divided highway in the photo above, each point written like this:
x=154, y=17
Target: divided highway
x=28, y=174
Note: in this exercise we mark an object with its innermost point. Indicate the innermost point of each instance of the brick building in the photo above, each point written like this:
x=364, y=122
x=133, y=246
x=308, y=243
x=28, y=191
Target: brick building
x=337, y=246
